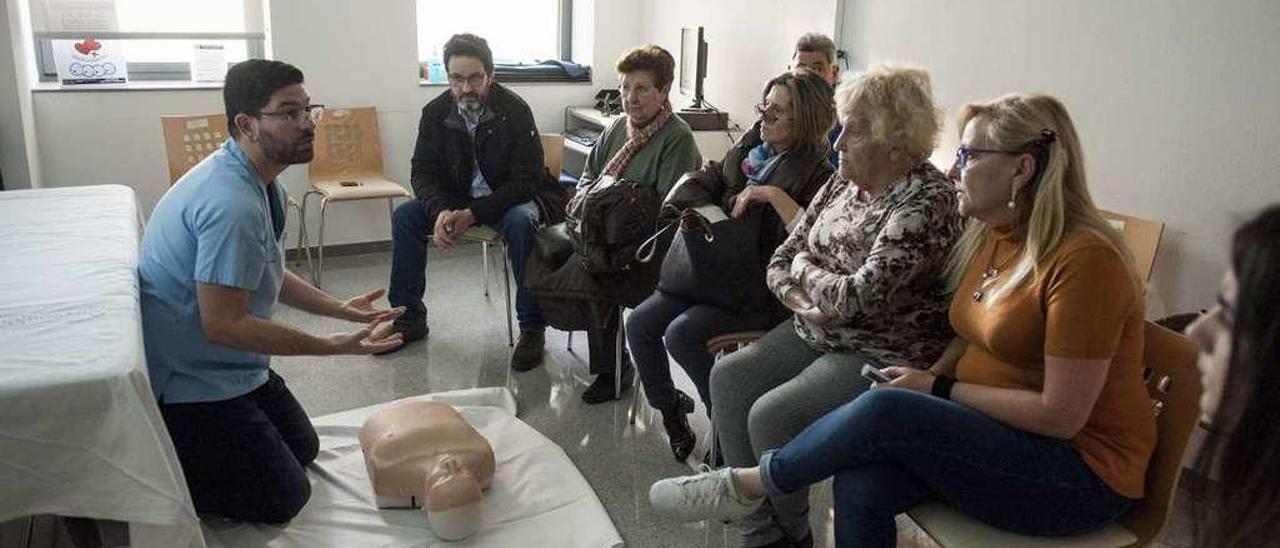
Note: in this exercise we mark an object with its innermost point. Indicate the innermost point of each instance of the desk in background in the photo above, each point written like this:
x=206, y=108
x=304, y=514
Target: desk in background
x=712, y=144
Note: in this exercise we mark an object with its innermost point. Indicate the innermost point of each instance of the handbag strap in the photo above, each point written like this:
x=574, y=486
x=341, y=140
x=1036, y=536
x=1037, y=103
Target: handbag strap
x=645, y=252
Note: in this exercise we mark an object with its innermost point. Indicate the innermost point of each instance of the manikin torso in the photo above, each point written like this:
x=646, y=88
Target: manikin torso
x=425, y=454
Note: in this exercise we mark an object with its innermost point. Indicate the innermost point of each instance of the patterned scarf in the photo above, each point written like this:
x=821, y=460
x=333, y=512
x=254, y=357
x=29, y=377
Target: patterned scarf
x=637, y=138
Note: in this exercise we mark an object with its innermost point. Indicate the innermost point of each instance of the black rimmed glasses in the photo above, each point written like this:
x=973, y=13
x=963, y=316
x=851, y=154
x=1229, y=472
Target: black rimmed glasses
x=475, y=80
x=295, y=115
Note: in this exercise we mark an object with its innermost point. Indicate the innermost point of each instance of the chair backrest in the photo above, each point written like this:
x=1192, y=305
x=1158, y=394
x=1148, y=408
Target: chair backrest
x=188, y=139
x=1142, y=237
x=553, y=152
x=346, y=145
x=1169, y=361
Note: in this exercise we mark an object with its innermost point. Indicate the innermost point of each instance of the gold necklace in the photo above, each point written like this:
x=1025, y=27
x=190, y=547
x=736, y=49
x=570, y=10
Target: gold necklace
x=992, y=271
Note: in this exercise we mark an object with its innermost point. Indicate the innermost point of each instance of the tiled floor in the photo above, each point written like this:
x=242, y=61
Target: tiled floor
x=467, y=347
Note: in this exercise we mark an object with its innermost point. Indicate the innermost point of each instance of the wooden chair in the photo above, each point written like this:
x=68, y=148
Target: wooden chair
x=552, y=153
x=719, y=347
x=1143, y=238
x=348, y=167
x=1173, y=383
x=188, y=139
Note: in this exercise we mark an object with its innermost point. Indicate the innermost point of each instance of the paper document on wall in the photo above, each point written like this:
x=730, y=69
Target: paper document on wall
x=81, y=15
x=209, y=63
x=89, y=61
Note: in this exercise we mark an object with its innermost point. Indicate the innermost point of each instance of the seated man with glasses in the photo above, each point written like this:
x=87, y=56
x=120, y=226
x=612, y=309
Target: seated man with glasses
x=211, y=273
x=478, y=161
x=817, y=52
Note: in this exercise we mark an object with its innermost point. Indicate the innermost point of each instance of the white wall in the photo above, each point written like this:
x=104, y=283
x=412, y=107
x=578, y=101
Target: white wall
x=353, y=54
x=1177, y=102
x=749, y=42
x=16, y=131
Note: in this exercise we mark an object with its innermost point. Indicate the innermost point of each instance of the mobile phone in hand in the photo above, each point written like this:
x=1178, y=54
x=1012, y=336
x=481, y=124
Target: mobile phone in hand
x=874, y=374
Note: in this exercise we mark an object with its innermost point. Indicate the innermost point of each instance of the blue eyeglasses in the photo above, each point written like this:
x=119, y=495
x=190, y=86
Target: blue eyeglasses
x=965, y=153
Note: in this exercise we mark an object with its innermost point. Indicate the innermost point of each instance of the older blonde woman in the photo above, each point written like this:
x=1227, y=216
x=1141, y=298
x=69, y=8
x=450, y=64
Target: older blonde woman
x=1036, y=418
x=863, y=273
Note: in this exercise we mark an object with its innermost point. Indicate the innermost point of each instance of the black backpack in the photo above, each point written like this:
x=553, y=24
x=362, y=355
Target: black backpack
x=608, y=220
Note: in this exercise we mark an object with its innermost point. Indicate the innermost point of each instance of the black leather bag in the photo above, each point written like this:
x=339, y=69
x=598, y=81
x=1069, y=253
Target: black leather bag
x=717, y=264
x=553, y=244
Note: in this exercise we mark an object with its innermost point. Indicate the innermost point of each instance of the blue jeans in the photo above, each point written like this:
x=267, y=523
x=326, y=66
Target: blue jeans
x=243, y=458
x=686, y=327
x=890, y=448
x=410, y=232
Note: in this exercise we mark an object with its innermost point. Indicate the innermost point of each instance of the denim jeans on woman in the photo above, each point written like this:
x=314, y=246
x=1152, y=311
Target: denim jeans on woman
x=890, y=449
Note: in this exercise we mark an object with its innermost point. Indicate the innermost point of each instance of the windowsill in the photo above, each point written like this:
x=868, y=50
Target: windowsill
x=140, y=85
x=513, y=81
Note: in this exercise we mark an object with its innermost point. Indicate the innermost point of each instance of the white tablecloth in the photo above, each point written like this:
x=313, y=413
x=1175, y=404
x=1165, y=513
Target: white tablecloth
x=537, y=499
x=80, y=433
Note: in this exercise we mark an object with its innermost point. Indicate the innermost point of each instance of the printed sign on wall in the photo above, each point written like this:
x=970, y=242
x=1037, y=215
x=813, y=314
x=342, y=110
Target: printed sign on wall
x=89, y=61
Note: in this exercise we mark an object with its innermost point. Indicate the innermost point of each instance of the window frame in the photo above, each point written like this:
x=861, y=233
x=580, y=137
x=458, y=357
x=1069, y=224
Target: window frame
x=564, y=43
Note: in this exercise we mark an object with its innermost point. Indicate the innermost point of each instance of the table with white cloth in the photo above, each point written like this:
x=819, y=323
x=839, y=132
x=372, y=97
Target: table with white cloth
x=80, y=432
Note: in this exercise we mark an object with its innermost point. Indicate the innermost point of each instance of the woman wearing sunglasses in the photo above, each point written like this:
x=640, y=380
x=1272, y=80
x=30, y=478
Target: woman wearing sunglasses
x=777, y=167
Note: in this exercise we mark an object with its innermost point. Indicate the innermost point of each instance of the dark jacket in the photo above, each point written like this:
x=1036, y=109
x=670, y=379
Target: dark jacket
x=508, y=151
x=800, y=173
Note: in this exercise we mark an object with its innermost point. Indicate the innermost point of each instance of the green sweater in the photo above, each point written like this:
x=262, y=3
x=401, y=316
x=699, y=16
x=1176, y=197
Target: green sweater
x=671, y=153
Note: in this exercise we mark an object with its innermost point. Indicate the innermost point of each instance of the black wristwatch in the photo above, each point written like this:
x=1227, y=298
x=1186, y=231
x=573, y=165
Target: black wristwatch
x=942, y=385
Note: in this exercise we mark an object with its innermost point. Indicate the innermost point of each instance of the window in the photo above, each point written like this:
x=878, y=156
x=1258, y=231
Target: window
x=158, y=37
x=521, y=33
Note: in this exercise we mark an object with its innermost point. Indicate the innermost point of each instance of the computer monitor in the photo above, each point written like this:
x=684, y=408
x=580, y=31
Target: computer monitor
x=693, y=65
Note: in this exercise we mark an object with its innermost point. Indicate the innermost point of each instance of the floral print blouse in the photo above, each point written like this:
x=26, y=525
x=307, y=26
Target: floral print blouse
x=878, y=267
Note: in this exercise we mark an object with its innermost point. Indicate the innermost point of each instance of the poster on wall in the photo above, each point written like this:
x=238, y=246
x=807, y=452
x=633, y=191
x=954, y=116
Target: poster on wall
x=81, y=15
x=209, y=64
x=89, y=61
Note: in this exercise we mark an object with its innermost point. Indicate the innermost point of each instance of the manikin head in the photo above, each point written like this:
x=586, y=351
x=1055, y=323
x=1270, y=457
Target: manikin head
x=453, y=495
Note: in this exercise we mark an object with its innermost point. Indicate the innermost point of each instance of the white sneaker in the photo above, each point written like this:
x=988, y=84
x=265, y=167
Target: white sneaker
x=704, y=496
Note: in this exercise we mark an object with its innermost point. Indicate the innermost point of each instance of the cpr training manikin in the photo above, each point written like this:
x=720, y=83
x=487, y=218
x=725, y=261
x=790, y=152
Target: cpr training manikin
x=424, y=454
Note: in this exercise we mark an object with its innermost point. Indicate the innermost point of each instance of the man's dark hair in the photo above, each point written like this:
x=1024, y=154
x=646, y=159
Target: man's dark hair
x=250, y=84
x=469, y=45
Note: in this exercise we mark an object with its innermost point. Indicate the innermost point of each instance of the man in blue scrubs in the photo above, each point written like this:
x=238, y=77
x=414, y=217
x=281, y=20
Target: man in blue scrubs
x=211, y=273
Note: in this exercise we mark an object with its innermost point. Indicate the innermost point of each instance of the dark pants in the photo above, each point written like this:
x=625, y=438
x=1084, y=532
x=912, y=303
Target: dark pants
x=602, y=344
x=243, y=457
x=685, y=327
x=410, y=232
x=890, y=448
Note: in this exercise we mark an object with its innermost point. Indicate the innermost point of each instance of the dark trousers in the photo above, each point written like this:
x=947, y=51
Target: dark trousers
x=243, y=457
x=602, y=344
x=410, y=232
x=684, y=327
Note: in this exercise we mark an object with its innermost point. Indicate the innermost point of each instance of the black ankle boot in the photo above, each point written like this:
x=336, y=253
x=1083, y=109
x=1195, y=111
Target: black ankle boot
x=676, y=421
x=602, y=390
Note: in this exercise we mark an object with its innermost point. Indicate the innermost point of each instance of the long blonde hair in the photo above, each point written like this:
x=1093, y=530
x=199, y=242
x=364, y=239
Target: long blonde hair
x=1049, y=205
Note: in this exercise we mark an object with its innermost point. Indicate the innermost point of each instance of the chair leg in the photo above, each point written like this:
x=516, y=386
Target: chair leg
x=617, y=357
x=324, y=207
x=568, y=343
x=637, y=389
x=506, y=283
x=484, y=252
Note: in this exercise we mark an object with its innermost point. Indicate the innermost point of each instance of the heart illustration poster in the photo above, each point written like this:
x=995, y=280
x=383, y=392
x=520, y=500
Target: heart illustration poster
x=89, y=61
